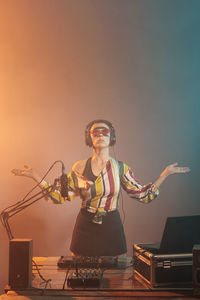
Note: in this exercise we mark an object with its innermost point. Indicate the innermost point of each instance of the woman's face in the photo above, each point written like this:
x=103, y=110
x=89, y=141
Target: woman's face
x=100, y=135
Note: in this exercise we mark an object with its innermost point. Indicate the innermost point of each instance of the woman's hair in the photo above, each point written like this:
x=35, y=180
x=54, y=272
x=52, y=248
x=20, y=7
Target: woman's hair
x=88, y=139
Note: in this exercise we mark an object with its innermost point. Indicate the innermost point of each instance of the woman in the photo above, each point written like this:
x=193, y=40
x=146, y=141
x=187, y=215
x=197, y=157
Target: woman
x=98, y=230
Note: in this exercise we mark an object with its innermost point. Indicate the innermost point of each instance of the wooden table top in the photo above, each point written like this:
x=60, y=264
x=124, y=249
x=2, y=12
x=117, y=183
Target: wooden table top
x=120, y=283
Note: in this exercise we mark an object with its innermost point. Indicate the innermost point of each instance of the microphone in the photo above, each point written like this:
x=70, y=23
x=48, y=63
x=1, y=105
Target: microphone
x=63, y=182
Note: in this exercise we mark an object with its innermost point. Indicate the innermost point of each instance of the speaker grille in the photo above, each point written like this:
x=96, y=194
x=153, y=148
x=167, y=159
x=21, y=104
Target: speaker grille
x=196, y=269
x=20, y=263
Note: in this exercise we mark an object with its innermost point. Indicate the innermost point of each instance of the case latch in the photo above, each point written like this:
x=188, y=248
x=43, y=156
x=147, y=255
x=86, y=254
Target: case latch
x=167, y=264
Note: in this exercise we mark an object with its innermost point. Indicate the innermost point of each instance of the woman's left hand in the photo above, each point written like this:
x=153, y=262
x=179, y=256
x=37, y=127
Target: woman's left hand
x=173, y=169
x=169, y=170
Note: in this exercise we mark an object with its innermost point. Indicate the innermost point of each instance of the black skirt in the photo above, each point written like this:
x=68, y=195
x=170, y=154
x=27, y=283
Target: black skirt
x=106, y=239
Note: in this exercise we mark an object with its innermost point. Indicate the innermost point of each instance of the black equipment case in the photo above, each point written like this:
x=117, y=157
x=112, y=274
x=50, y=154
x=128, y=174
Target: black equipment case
x=169, y=262
x=160, y=270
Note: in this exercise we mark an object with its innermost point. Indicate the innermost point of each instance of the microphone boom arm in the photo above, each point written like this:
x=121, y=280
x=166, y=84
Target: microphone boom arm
x=7, y=213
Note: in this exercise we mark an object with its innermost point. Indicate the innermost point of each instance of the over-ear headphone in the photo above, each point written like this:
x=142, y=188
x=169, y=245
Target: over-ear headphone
x=88, y=139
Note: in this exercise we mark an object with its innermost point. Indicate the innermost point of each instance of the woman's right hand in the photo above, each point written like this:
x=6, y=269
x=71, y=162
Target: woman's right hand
x=27, y=172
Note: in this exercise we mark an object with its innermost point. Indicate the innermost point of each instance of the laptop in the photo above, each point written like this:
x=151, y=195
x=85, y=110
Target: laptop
x=179, y=236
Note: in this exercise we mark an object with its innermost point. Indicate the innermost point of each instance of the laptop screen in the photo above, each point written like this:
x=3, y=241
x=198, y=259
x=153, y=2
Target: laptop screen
x=180, y=234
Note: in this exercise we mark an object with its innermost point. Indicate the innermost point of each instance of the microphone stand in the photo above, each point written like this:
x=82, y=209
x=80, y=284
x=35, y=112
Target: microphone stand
x=16, y=208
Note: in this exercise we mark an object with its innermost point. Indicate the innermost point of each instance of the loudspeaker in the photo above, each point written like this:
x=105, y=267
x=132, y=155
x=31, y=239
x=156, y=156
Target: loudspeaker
x=196, y=269
x=20, y=263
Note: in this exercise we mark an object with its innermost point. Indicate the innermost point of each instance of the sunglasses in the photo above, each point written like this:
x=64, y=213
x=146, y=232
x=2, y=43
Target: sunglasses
x=97, y=132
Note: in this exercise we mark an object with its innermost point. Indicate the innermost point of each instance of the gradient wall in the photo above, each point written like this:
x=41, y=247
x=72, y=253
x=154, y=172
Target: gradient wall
x=64, y=63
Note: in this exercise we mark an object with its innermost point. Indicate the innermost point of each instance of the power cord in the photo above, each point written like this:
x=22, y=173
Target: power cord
x=43, y=279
